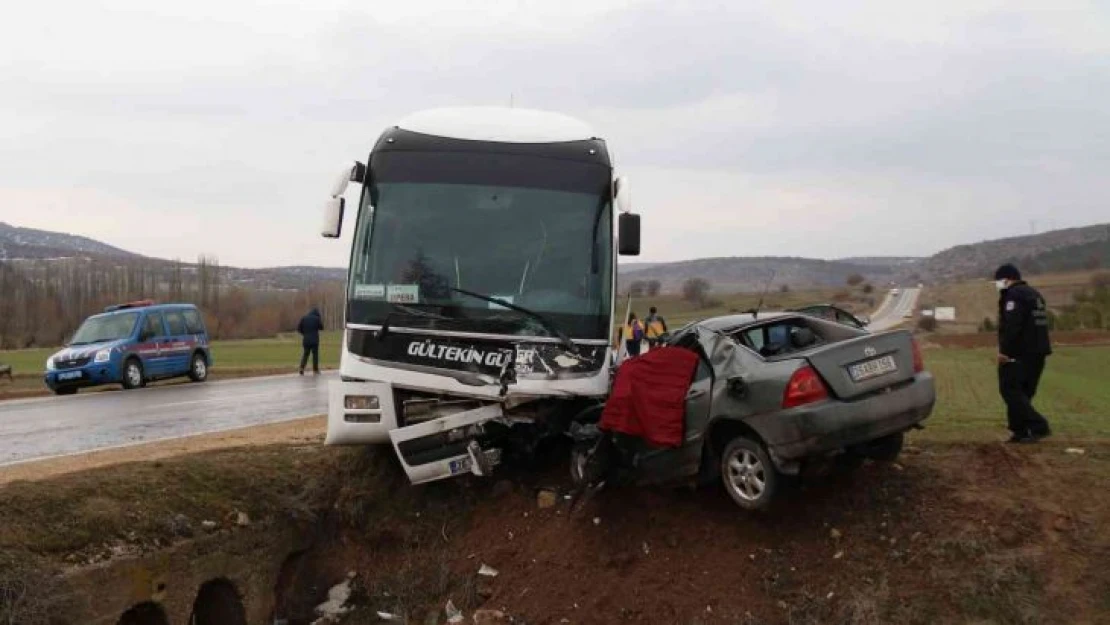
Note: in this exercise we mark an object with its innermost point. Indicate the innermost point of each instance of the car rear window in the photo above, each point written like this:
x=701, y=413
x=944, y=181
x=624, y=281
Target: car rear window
x=193, y=322
x=176, y=323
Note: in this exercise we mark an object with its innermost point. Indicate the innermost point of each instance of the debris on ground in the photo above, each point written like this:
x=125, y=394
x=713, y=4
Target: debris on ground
x=547, y=499
x=454, y=615
x=835, y=534
x=181, y=526
x=490, y=617
x=487, y=571
x=209, y=526
x=386, y=616
x=242, y=519
x=1075, y=451
x=336, y=606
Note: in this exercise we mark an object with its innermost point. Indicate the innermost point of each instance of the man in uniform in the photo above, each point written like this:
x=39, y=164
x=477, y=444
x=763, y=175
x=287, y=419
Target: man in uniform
x=1023, y=345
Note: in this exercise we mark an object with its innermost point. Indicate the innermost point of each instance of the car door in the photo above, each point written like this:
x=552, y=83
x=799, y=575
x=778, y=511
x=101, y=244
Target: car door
x=152, y=341
x=179, y=348
x=663, y=466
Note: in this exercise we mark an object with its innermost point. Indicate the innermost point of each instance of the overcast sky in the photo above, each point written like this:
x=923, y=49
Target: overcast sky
x=822, y=129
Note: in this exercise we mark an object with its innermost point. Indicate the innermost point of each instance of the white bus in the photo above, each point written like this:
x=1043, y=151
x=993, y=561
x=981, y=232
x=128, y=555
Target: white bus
x=481, y=286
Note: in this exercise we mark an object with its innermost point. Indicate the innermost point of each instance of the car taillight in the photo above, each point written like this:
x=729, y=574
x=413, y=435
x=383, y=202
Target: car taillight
x=805, y=387
x=918, y=360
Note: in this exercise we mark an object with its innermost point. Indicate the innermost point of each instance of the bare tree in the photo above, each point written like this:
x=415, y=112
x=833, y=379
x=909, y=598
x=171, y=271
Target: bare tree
x=696, y=291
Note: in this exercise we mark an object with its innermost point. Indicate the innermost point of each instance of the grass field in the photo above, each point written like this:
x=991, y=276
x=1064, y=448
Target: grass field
x=975, y=300
x=1073, y=395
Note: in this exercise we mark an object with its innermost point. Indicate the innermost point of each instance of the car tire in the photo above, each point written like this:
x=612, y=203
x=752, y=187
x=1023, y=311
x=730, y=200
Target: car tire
x=198, y=368
x=885, y=449
x=748, y=474
x=65, y=391
x=133, y=374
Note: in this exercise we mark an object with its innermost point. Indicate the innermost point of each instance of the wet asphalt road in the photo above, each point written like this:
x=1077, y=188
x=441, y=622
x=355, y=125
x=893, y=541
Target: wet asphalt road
x=893, y=310
x=54, y=426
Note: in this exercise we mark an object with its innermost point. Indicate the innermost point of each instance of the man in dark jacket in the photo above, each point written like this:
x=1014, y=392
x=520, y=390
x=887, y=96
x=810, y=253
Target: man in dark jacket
x=309, y=329
x=1023, y=345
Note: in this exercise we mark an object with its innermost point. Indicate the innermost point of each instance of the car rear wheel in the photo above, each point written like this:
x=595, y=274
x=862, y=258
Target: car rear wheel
x=133, y=374
x=198, y=368
x=65, y=391
x=748, y=474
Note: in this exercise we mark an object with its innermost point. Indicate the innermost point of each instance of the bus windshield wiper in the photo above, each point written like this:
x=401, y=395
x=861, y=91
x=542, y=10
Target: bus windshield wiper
x=410, y=311
x=543, y=321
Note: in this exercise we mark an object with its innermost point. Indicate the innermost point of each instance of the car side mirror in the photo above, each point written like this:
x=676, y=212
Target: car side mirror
x=737, y=387
x=628, y=234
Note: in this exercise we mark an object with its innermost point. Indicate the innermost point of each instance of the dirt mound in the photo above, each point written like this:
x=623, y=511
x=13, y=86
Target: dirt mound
x=956, y=533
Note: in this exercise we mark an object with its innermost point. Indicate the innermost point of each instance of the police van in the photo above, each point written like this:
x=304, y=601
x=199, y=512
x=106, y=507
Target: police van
x=132, y=344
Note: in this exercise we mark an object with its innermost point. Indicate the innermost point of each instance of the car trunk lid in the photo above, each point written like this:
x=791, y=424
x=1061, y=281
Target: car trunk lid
x=865, y=364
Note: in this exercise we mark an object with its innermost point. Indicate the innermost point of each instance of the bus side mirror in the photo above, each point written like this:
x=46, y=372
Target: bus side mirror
x=623, y=194
x=332, y=225
x=628, y=234
x=333, y=218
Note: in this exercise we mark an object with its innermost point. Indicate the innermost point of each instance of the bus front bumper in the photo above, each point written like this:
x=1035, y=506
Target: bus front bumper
x=364, y=413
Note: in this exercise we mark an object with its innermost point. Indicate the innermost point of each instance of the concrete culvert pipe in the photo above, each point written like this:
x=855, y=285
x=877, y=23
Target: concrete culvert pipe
x=218, y=603
x=146, y=613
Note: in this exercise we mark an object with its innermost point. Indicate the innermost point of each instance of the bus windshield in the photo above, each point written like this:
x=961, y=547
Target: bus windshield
x=545, y=249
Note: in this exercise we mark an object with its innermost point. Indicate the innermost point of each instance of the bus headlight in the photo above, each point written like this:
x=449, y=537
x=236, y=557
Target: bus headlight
x=361, y=402
x=103, y=355
x=50, y=364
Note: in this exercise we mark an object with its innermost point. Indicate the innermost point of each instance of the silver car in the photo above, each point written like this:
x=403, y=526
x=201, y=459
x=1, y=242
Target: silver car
x=769, y=392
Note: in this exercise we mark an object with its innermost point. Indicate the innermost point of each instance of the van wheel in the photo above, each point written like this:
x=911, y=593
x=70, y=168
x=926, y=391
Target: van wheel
x=65, y=391
x=885, y=449
x=198, y=368
x=133, y=374
x=748, y=474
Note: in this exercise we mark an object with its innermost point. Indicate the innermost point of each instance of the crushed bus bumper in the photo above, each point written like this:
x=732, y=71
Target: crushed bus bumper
x=362, y=413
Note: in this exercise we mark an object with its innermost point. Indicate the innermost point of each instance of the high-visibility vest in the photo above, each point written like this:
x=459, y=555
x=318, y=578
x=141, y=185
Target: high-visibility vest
x=654, y=328
x=629, y=330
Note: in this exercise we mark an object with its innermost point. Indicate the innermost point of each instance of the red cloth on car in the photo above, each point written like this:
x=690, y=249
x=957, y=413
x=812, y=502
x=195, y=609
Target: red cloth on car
x=649, y=396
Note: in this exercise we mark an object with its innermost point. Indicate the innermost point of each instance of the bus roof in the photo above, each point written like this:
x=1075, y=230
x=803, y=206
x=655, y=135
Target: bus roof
x=498, y=124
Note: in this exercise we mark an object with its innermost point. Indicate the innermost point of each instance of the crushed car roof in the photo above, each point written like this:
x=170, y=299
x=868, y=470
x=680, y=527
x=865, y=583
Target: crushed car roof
x=729, y=322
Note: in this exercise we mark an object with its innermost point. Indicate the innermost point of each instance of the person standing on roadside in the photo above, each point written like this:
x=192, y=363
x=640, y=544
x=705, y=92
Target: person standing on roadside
x=1023, y=346
x=632, y=334
x=309, y=328
x=655, y=326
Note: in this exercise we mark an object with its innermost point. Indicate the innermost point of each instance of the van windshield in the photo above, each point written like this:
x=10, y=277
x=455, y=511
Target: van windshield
x=105, y=328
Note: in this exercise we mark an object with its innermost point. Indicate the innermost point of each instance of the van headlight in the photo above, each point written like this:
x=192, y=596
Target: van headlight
x=103, y=355
x=50, y=364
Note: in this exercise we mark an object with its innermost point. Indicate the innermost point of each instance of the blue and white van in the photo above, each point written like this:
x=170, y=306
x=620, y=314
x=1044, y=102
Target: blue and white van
x=132, y=344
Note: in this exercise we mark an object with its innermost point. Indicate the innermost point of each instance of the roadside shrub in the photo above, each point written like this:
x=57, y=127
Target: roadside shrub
x=927, y=324
x=696, y=291
x=868, y=288
x=987, y=325
x=855, y=280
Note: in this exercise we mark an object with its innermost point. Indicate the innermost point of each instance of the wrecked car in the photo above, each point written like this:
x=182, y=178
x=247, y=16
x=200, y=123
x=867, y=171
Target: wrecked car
x=750, y=398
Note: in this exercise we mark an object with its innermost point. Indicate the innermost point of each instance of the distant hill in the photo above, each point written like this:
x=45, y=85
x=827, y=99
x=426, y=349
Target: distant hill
x=28, y=243
x=1058, y=250
x=27, y=247
x=740, y=274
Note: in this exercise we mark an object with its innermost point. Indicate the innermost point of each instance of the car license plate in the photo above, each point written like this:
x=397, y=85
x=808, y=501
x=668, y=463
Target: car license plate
x=872, y=368
x=464, y=465
x=69, y=375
